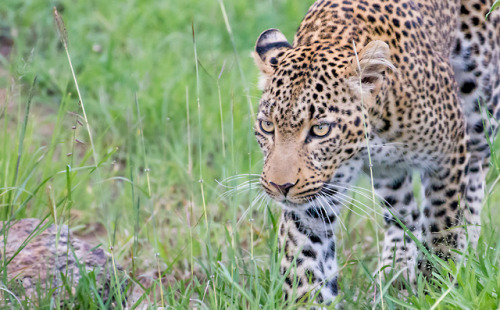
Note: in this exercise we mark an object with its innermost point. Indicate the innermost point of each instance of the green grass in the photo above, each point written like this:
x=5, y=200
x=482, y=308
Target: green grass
x=161, y=122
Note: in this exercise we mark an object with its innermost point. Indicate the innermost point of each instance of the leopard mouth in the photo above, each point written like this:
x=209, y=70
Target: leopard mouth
x=326, y=191
x=325, y=195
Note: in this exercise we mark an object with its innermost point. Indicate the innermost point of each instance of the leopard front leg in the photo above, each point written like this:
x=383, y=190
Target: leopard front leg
x=445, y=214
x=477, y=170
x=399, y=250
x=309, y=257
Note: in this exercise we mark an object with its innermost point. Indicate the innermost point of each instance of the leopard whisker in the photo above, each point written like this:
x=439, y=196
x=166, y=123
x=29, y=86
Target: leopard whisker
x=357, y=201
x=235, y=186
x=364, y=211
x=368, y=194
x=258, y=199
x=368, y=191
x=239, y=176
x=336, y=214
x=247, y=210
x=344, y=203
x=311, y=201
x=247, y=177
x=347, y=189
x=264, y=200
x=355, y=191
x=242, y=188
x=330, y=222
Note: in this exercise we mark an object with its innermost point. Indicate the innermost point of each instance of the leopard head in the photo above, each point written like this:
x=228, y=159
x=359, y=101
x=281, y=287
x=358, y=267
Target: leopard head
x=313, y=111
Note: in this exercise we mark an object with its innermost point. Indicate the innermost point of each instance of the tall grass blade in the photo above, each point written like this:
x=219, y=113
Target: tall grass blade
x=367, y=138
x=9, y=210
x=64, y=39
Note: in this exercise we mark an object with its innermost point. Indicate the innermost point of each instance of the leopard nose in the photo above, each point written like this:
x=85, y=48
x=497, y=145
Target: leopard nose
x=283, y=188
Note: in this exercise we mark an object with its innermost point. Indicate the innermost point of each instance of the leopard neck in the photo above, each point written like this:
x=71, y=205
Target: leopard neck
x=309, y=259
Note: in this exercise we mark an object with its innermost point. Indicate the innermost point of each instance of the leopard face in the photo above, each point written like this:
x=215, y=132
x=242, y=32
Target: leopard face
x=312, y=115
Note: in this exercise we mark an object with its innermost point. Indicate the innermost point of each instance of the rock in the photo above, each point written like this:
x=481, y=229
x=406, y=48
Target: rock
x=46, y=261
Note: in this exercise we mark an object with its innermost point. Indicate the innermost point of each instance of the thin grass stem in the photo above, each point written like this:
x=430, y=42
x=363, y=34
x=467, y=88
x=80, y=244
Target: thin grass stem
x=367, y=138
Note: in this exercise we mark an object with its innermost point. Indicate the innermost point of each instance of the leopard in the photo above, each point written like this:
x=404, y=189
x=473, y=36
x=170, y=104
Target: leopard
x=399, y=90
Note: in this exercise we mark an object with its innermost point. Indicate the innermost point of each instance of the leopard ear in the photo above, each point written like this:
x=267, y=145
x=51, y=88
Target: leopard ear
x=369, y=68
x=270, y=46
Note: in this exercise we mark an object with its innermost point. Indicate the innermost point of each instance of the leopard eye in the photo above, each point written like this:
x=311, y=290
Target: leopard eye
x=320, y=130
x=267, y=127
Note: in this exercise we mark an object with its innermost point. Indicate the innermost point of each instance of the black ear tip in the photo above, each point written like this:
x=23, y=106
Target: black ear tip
x=271, y=36
x=266, y=34
x=271, y=39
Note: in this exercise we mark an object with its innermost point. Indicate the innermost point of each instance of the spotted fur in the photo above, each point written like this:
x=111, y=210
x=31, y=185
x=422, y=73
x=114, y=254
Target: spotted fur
x=412, y=79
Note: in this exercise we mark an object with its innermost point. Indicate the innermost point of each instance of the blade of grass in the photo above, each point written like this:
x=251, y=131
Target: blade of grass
x=9, y=210
x=64, y=39
x=365, y=128
x=493, y=7
x=150, y=198
x=236, y=56
x=200, y=144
